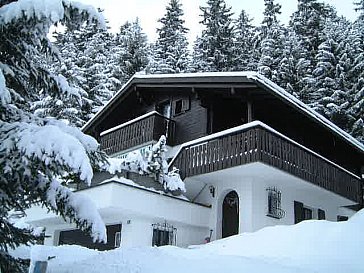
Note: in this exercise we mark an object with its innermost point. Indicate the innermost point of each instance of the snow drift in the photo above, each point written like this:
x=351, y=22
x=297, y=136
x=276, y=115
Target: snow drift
x=311, y=246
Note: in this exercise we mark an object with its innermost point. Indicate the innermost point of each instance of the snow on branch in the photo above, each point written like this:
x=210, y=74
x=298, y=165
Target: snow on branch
x=153, y=163
x=51, y=144
x=77, y=207
x=5, y=97
x=53, y=10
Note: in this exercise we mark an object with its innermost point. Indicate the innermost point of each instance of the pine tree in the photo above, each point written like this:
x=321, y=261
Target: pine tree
x=37, y=154
x=133, y=50
x=199, y=62
x=356, y=73
x=330, y=95
x=271, y=37
x=171, y=49
x=97, y=63
x=244, y=51
x=86, y=64
x=308, y=22
x=216, y=44
x=286, y=71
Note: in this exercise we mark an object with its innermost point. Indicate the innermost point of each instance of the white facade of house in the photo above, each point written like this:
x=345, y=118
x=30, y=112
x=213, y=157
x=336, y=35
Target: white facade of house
x=137, y=209
x=251, y=182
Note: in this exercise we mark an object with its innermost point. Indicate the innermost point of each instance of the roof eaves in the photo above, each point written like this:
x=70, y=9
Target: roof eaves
x=306, y=109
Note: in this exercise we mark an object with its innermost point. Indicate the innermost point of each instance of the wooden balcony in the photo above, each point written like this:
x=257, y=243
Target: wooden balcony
x=257, y=142
x=136, y=132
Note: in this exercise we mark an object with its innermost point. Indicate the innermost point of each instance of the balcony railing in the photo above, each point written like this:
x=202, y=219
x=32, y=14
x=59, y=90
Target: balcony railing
x=143, y=129
x=257, y=142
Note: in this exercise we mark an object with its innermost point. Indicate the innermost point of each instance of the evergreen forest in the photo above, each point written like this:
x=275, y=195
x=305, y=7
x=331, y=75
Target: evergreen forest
x=318, y=57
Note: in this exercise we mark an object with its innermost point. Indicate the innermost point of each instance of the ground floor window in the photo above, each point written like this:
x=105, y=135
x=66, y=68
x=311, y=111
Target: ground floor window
x=303, y=212
x=274, y=203
x=341, y=218
x=163, y=234
x=78, y=237
x=307, y=213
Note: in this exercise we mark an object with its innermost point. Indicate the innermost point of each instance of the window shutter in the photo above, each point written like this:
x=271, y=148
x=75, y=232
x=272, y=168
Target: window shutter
x=321, y=214
x=298, y=212
x=185, y=104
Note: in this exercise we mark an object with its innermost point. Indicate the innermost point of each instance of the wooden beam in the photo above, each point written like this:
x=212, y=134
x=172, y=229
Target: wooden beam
x=250, y=110
x=202, y=85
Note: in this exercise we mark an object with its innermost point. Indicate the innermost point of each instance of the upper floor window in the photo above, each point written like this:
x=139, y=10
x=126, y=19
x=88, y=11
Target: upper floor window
x=274, y=203
x=181, y=105
x=164, y=108
x=163, y=234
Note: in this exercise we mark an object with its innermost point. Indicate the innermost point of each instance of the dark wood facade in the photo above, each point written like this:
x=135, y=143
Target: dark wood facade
x=200, y=106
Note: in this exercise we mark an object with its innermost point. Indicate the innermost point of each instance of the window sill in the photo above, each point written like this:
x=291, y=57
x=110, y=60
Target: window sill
x=274, y=216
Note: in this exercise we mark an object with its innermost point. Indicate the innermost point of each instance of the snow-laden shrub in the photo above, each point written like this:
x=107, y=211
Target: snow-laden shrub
x=153, y=163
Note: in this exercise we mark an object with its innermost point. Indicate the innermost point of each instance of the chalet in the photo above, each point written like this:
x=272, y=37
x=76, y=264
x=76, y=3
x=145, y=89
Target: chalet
x=250, y=154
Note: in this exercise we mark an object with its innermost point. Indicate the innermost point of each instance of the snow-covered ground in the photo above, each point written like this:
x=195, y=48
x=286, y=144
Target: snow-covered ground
x=311, y=246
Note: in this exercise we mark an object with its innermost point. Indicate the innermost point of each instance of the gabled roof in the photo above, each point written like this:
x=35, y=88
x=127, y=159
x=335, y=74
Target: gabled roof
x=221, y=77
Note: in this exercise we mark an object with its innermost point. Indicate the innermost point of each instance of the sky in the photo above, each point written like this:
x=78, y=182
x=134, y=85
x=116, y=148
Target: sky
x=118, y=12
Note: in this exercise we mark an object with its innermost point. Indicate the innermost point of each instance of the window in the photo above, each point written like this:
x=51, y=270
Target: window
x=303, y=212
x=163, y=234
x=341, y=218
x=178, y=107
x=274, y=203
x=181, y=105
x=78, y=237
x=164, y=109
x=307, y=213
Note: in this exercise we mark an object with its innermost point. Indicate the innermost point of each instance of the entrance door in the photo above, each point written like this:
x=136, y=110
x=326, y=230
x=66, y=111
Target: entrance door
x=230, y=214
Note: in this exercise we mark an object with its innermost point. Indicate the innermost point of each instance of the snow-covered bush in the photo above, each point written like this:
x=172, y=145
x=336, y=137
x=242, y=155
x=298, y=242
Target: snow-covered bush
x=153, y=163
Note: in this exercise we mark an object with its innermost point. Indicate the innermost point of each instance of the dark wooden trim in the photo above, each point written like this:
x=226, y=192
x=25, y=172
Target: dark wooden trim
x=258, y=144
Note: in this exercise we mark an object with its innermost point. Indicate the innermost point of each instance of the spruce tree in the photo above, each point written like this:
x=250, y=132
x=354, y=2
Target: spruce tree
x=86, y=62
x=356, y=73
x=171, y=49
x=271, y=37
x=244, y=51
x=216, y=44
x=38, y=154
x=133, y=50
x=308, y=22
x=287, y=67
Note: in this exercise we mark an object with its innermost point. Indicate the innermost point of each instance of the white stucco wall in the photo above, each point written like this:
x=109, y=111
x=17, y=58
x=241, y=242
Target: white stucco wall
x=250, y=182
x=136, y=210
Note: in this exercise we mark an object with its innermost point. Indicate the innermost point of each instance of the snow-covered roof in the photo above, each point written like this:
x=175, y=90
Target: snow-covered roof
x=238, y=77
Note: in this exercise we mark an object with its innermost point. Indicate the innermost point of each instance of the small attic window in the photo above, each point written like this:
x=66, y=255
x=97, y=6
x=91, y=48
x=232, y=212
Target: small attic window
x=181, y=105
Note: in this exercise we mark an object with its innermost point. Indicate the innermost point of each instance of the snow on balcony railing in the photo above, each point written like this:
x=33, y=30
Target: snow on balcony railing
x=136, y=132
x=256, y=141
